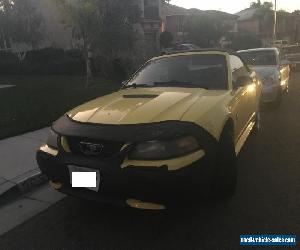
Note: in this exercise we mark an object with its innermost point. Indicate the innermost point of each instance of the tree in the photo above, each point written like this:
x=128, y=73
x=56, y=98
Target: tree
x=296, y=12
x=256, y=4
x=259, y=5
x=20, y=23
x=166, y=39
x=105, y=27
x=267, y=5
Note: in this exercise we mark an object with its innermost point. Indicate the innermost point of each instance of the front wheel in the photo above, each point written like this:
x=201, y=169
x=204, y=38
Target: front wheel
x=225, y=172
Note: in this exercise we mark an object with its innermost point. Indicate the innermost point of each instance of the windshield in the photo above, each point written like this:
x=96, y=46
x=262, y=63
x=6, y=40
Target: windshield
x=202, y=71
x=259, y=57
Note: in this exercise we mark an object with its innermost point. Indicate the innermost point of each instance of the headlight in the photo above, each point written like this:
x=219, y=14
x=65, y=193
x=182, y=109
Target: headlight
x=160, y=150
x=52, y=140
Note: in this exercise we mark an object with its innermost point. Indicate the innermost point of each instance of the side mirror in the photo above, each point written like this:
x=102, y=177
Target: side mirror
x=242, y=81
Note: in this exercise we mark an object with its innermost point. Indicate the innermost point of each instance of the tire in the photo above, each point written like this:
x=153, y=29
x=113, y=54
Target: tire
x=225, y=172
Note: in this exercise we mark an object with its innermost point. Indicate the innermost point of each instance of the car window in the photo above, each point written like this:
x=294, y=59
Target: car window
x=238, y=68
x=205, y=71
x=264, y=57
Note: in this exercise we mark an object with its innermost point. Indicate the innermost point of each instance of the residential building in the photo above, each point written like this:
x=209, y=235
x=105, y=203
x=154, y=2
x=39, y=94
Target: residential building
x=260, y=22
x=150, y=24
x=174, y=20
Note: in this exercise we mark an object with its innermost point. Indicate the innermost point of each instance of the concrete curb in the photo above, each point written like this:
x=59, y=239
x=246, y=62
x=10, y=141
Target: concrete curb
x=22, y=187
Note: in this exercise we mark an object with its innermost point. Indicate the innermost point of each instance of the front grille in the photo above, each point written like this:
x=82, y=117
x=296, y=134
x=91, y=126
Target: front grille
x=103, y=149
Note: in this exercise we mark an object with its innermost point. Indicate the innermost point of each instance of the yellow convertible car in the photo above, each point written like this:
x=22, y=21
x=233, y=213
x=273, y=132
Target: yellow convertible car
x=169, y=136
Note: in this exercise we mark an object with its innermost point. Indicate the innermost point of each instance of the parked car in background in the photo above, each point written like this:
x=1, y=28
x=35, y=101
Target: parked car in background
x=181, y=47
x=273, y=69
x=169, y=136
x=186, y=46
x=280, y=43
x=293, y=55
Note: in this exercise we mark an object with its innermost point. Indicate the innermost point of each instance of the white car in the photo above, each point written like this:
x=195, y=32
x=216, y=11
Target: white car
x=181, y=47
x=272, y=68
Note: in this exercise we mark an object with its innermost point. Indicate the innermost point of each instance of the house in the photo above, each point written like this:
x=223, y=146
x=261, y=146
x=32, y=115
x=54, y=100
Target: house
x=174, y=19
x=150, y=24
x=260, y=22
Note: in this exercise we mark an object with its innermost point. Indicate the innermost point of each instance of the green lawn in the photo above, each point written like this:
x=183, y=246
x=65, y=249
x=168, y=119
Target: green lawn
x=37, y=101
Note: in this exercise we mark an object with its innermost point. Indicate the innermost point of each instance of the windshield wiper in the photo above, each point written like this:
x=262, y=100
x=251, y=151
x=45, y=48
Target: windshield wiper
x=171, y=82
x=165, y=83
x=134, y=85
x=179, y=84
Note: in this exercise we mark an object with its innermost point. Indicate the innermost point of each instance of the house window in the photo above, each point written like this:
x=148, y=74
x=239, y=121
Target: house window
x=151, y=9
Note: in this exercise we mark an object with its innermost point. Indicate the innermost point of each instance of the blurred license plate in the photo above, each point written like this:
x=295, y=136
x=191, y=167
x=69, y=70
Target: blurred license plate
x=84, y=177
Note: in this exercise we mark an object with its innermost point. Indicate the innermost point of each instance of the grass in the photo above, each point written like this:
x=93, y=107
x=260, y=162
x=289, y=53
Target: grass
x=36, y=101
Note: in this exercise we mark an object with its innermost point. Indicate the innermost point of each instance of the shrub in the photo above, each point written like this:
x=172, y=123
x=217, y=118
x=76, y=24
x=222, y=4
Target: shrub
x=47, y=61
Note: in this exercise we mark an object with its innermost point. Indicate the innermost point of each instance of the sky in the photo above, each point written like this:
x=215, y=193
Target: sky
x=232, y=6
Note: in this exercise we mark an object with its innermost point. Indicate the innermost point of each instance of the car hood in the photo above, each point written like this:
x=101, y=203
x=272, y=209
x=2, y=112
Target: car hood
x=141, y=105
x=265, y=71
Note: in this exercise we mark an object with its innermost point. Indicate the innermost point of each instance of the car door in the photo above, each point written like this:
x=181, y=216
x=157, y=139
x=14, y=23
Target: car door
x=244, y=96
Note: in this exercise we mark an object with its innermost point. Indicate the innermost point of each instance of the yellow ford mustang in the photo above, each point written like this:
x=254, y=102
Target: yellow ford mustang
x=170, y=135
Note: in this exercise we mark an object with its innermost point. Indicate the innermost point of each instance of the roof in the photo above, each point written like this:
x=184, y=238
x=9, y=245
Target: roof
x=246, y=14
x=196, y=52
x=222, y=14
x=171, y=10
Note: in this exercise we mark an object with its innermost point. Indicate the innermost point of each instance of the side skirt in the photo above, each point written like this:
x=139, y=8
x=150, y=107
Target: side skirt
x=242, y=139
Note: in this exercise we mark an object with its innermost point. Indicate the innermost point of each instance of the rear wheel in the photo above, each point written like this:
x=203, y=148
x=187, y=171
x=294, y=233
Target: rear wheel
x=225, y=172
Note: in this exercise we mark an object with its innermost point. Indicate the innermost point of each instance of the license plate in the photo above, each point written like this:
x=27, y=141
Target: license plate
x=84, y=177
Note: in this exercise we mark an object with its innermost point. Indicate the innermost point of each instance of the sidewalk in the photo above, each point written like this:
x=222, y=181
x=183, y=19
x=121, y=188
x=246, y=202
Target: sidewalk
x=18, y=167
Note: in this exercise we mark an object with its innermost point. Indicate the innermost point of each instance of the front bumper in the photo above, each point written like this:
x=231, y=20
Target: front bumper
x=270, y=93
x=118, y=186
x=165, y=182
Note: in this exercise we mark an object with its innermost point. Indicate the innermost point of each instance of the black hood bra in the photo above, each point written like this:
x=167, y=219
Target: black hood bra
x=133, y=133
